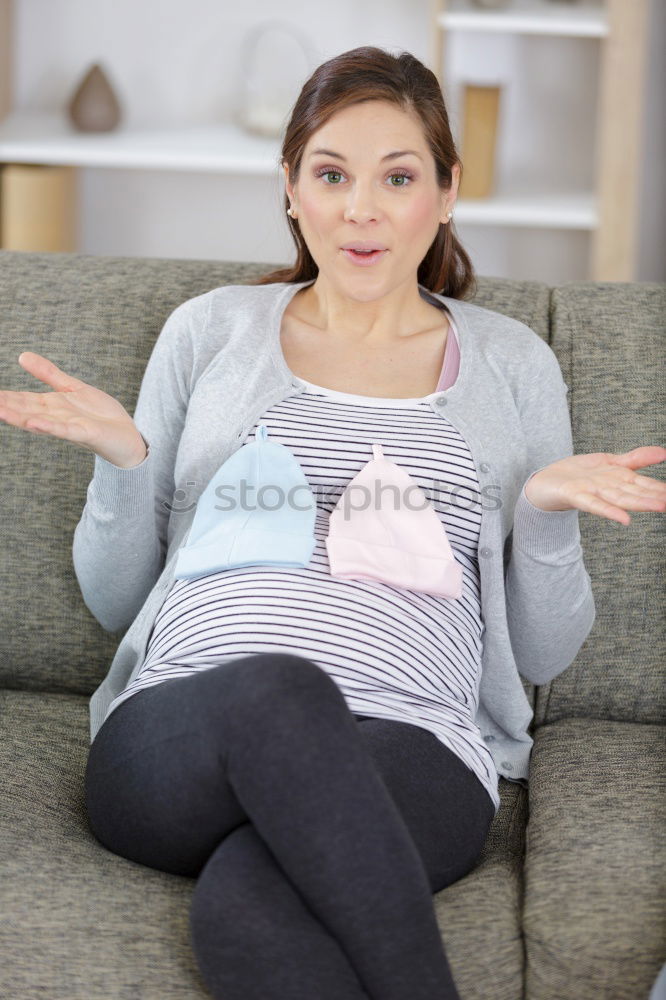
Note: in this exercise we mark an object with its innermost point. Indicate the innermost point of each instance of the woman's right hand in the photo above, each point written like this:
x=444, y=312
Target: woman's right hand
x=75, y=412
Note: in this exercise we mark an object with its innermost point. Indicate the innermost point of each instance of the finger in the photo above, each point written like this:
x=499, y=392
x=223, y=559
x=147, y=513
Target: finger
x=48, y=372
x=647, y=454
x=642, y=486
x=596, y=505
x=24, y=406
x=655, y=485
x=11, y=415
x=36, y=424
x=634, y=501
x=17, y=403
x=68, y=430
x=41, y=426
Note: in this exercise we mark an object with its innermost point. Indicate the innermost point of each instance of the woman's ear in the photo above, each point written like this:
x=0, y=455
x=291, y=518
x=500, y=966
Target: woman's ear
x=287, y=186
x=455, y=181
x=448, y=199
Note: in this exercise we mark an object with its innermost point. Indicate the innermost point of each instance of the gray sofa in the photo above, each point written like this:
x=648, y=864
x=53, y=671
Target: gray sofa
x=567, y=901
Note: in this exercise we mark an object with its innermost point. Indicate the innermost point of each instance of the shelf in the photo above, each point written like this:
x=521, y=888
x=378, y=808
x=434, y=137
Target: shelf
x=530, y=17
x=49, y=140
x=27, y=137
x=563, y=210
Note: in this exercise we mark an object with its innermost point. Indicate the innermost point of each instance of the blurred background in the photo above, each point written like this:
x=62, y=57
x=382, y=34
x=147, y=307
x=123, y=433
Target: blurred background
x=153, y=129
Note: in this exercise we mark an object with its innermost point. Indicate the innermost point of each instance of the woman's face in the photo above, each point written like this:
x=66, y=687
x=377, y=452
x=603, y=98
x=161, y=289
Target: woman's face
x=364, y=194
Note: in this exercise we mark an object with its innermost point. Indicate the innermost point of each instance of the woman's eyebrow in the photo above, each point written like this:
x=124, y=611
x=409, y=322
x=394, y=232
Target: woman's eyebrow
x=389, y=156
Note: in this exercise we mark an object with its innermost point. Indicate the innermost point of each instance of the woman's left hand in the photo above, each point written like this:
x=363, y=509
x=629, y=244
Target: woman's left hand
x=600, y=483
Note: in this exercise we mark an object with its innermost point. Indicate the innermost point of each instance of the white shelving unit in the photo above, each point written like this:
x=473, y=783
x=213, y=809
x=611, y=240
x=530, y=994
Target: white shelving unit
x=620, y=29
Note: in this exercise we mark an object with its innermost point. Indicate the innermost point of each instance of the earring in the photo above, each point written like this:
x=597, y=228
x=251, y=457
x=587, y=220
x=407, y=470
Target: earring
x=449, y=214
x=290, y=212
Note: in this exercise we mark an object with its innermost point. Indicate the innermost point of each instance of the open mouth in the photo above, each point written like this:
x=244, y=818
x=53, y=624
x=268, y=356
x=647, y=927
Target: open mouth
x=365, y=256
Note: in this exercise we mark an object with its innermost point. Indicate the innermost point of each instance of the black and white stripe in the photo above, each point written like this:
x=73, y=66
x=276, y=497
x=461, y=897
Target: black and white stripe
x=395, y=653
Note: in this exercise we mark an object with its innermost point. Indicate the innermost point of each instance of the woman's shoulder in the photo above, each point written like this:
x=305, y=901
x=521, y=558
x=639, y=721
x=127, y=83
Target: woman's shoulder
x=506, y=343
x=233, y=302
x=235, y=292
x=230, y=295
x=496, y=334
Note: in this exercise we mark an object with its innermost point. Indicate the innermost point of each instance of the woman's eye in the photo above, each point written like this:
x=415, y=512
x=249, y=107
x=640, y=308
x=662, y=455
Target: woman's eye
x=330, y=173
x=404, y=175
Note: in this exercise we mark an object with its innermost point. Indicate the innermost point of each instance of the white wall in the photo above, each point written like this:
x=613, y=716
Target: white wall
x=172, y=64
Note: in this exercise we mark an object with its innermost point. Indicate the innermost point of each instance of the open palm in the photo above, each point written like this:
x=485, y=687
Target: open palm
x=75, y=411
x=601, y=483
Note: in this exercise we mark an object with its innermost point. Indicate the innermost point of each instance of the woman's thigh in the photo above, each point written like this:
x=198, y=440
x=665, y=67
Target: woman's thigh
x=156, y=788
x=445, y=806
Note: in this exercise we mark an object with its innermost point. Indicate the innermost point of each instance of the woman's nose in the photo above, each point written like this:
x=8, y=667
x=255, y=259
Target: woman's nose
x=361, y=205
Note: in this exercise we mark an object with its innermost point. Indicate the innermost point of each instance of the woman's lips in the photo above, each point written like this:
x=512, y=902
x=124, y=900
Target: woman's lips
x=365, y=259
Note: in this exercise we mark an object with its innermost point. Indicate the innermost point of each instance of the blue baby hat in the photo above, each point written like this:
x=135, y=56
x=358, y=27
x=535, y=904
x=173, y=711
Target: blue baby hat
x=270, y=522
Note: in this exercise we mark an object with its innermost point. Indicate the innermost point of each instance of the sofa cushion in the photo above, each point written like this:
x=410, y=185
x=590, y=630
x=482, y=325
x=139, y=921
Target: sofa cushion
x=79, y=922
x=82, y=923
x=595, y=862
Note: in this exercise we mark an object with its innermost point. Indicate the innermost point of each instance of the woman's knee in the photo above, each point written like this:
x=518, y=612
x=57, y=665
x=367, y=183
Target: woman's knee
x=266, y=679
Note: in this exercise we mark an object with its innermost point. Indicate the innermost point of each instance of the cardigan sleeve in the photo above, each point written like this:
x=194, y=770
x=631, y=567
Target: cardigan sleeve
x=119, y=544
x=549, y=600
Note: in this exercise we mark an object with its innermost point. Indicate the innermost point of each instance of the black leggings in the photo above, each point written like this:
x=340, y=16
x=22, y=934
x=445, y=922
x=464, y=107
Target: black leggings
x=317, y=837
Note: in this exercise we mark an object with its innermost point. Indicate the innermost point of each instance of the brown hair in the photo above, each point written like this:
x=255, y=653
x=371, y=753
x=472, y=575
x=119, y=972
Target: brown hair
x=364, y=74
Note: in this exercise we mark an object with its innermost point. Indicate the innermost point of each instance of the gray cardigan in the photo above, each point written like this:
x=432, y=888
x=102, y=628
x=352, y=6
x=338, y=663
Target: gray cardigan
x=217, y=365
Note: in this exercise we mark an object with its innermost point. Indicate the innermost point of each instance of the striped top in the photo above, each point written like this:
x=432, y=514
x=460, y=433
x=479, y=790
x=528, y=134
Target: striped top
x=394, y=653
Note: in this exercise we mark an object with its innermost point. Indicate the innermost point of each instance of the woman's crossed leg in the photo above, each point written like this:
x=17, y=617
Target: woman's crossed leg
x=316, y=837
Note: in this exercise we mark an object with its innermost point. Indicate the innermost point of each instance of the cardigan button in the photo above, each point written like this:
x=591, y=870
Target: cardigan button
x=484, y=467
x=485, y=552
x=441, y=402
x=507, y=765
x=489, y=739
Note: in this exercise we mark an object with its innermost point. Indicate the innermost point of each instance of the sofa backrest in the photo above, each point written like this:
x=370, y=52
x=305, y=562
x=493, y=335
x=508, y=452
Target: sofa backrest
x=98, y=317
x=609, y=341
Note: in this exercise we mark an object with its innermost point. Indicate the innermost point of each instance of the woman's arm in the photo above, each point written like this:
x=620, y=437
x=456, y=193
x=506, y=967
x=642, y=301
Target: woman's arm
x=119, y=545
x=549, y=600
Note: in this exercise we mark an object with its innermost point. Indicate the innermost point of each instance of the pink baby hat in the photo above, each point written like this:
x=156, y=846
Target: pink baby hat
x=391, y=535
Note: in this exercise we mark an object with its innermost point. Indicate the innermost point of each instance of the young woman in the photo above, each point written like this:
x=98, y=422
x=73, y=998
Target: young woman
x=318, y=739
